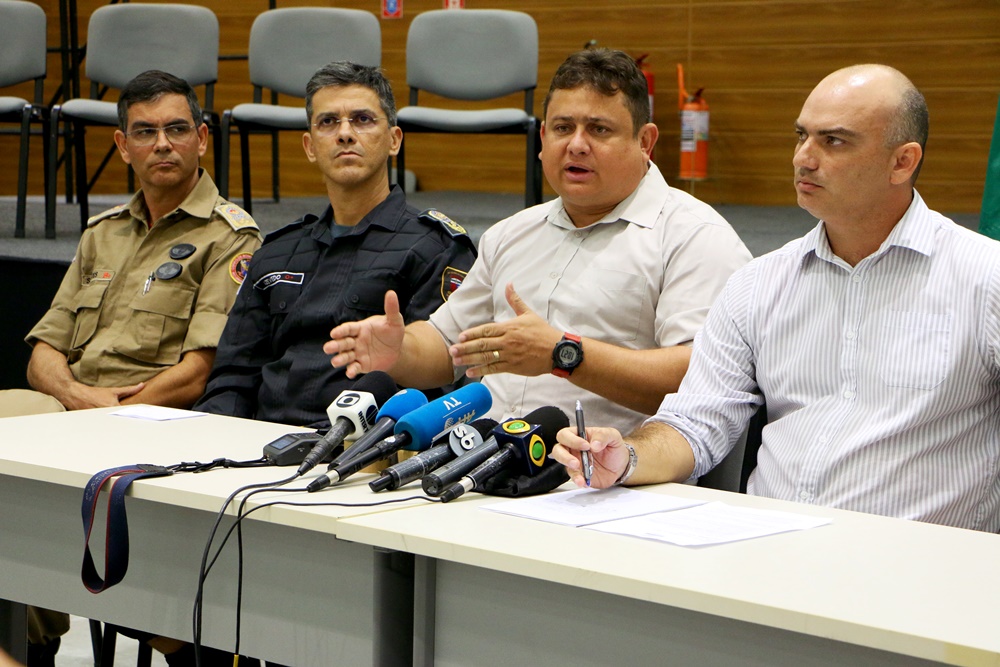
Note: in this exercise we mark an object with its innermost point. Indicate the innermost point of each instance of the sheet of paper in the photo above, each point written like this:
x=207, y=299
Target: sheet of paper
x=155, y=413
x=710, y=523
x=581, y=507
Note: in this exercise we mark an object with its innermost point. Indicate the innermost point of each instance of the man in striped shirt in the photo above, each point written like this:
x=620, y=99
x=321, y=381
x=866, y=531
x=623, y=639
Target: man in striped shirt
x=873, y=341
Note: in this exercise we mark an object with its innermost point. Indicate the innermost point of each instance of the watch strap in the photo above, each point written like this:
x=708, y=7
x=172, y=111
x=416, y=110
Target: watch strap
x=633, y=461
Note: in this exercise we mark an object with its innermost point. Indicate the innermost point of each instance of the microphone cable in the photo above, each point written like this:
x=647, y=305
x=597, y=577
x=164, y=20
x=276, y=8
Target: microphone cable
x=241, y=514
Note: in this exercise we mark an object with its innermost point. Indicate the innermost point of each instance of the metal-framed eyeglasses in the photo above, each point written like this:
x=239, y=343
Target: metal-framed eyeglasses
x=360, y=123
x=178, y=133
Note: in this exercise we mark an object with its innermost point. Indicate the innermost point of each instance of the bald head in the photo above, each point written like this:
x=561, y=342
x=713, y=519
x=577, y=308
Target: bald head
x=885, y=91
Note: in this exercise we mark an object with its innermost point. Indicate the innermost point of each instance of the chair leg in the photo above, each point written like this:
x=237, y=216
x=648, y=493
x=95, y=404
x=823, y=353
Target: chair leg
x=275, y=168
x=96, y=641
x=533, y=165
x=108, y=647
x=81, y=174
x=48, y=173
x=222, y=170
x=50, y=170
x=22, y=172
x=401, y=167
x=145, y=656
x=245, y=162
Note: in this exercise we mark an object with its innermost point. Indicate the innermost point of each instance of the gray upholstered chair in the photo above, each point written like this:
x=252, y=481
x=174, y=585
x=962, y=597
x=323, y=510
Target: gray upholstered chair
x=474, y=54
x=287, y=46
x=123, y=41
x=22, y=59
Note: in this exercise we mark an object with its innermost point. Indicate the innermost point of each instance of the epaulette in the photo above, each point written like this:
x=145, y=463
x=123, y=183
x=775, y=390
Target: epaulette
x=110, y=213
x=237, y=218
x=450, y=226
x=298, y=224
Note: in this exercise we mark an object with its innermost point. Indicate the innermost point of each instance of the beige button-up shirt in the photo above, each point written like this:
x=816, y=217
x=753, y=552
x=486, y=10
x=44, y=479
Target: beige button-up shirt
x=119, y=323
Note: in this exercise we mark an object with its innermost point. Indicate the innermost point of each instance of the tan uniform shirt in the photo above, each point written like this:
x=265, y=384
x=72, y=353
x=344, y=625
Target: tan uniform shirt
x=115, y=320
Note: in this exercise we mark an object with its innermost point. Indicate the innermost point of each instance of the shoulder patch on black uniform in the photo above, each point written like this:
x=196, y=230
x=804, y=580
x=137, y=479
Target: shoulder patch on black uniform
x=237, y=218
x=451, y=280
x=110, y=213
x=450, y=226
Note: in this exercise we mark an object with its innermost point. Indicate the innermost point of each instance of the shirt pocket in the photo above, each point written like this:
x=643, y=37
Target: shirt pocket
x=157, y=324
x=915, y=349
x=609, y=305
x=282, y=297
x=366, y=297
x=87, y=309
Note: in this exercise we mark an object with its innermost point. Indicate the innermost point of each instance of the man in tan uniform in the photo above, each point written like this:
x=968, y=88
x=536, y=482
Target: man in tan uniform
x=139, y=313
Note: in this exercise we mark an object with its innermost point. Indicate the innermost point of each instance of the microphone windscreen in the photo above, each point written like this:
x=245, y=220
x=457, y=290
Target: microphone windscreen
x=377, y=383
x=461, y=405
x=550, y=418
x=401, y=403
x=513, y=482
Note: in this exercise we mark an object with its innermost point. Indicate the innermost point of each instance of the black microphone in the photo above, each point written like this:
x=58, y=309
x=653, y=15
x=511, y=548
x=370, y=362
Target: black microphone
x=352, y=413
x=415, y=430
x=456, y=441
x=523, y=446
x=437, y=481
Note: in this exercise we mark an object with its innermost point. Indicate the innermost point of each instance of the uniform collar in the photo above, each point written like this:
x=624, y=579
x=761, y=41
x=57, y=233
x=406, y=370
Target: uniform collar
x=199, y=203
x=642, y=207
x=388, y=215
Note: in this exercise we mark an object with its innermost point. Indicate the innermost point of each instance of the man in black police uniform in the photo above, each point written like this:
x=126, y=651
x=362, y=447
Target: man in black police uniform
x=321, y=271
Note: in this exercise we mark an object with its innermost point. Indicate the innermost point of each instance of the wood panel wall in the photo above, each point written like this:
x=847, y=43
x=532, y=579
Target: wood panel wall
x=756, y=59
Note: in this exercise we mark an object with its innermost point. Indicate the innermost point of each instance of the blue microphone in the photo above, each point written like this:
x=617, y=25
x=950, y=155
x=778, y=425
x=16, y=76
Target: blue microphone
x=416, y=430
x=402, y=403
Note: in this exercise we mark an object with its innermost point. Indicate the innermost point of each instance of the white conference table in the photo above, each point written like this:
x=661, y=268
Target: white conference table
x=329, y=585
x=494, y=589
x=309, y=598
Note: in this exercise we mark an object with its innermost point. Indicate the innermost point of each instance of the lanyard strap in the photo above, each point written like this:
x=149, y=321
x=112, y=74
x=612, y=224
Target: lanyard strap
x=116, y=538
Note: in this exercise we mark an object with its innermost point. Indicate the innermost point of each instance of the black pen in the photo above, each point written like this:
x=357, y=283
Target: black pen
x=581, y=430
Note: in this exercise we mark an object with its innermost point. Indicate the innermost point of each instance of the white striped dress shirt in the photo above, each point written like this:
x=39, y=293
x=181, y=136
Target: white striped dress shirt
x=882, y=381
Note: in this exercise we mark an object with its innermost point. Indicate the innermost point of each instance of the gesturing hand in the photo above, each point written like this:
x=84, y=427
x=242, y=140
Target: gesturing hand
x=522, y=345
x=373, y=344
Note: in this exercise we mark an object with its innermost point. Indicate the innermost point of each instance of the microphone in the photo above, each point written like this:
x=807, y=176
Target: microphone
x=351, y=414
x=416, y=430
x=401, y=403
x=436, y=482
x=523, y=445
x=460, y=439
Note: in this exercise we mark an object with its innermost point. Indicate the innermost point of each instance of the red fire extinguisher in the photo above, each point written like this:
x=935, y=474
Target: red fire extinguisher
x=650, y=86
x=694, y=131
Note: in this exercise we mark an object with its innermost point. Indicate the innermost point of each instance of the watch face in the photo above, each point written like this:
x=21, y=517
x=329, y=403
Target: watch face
x=568, y=355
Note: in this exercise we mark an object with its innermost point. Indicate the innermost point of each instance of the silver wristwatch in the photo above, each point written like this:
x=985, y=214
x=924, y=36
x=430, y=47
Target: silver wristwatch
x=633, y=461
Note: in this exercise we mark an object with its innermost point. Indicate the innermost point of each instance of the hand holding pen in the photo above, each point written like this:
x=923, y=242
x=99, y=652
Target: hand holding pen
x=585, y=458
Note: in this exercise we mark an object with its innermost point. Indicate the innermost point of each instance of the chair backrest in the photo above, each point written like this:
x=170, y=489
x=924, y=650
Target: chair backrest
x=128, y=39
x=472, y=54
x=287, y=46
x=22, y=42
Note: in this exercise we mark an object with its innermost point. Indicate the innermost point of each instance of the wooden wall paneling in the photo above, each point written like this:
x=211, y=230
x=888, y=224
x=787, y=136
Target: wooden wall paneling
x=757, y=59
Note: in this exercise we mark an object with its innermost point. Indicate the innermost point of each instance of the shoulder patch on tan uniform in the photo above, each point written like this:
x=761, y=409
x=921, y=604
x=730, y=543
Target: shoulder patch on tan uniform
x=237, y=218
x=110, y=213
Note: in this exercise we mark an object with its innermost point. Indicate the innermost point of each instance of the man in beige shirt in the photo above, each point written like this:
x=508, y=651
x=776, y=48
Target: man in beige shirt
x=140, y=311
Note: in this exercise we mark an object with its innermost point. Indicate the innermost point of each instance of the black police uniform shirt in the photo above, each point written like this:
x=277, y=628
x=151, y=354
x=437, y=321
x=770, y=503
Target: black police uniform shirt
x=306, y=279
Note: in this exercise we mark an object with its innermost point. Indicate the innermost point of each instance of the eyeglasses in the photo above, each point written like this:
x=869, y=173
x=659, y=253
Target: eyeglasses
x=178, y=133
x=360, y=123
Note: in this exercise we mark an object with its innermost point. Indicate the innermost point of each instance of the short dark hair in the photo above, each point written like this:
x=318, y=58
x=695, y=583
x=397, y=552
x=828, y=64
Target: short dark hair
x=607, y=71
x=909, y=121
x=149, y=87
x=345, y=73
